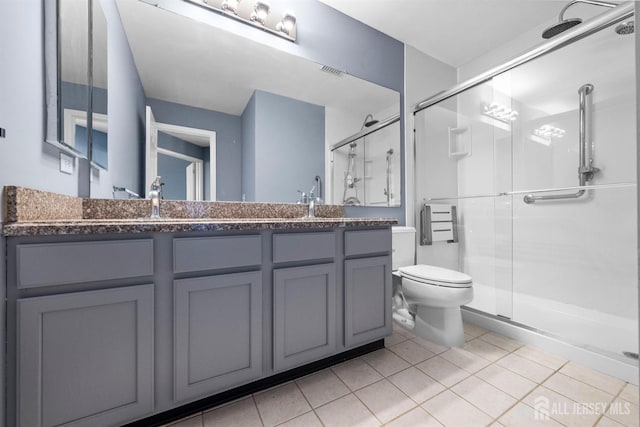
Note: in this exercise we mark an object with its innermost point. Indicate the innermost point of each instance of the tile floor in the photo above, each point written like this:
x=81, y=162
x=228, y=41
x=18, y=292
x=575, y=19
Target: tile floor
x=412, y=382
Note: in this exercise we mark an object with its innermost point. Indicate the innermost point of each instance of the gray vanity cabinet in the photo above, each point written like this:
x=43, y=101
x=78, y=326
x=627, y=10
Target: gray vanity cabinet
x=304, y=307
x=218, y=333
x=85, y=358
x=367, y=286
x=367, y=299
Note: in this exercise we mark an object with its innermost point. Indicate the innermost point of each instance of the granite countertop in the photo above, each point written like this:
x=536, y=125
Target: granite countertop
x=37, y=213
x=178, y=225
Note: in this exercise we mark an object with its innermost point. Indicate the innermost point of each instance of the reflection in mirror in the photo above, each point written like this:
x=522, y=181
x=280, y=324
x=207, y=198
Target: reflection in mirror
x=183, y=157
x=366, y=166
x=82, y=79
x=274, y=114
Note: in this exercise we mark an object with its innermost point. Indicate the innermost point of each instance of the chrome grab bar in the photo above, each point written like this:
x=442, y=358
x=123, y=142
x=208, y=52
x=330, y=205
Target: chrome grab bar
x=586, y=170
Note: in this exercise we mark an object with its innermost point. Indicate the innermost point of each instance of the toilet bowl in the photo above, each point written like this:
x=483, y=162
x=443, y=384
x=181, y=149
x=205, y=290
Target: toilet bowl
x=433, y=294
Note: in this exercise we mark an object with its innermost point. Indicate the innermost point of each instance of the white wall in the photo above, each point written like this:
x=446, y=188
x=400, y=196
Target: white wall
x=424, y=77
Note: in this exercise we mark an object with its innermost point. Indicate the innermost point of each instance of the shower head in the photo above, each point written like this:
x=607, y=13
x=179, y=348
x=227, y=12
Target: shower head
x=625, y=28
x=368, y=121
x=560, y=27
x=564, y=24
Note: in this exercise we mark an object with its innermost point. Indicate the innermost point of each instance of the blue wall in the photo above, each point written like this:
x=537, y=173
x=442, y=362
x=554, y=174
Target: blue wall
x=173, y=173
x=228, y=130
x=285, y=145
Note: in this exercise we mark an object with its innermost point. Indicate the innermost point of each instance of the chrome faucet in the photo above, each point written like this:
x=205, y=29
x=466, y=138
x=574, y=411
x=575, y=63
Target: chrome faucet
x=154, y=195
x=312, y=204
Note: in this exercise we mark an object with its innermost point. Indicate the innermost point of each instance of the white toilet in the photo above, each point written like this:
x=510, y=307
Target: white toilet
x=434, y=294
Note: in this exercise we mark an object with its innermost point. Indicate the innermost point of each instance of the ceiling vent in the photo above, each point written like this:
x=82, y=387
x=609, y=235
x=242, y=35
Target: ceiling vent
x=331, y=70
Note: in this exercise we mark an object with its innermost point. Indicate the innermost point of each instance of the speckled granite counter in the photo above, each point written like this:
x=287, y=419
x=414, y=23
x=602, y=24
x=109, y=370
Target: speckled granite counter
x=38, y=213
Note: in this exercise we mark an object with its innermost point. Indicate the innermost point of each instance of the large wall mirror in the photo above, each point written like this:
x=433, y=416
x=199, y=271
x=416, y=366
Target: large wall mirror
x=231, y=119
x=77, y=82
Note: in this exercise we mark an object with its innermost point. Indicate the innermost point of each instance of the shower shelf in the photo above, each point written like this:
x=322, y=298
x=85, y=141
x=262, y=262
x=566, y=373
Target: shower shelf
x=459, y=142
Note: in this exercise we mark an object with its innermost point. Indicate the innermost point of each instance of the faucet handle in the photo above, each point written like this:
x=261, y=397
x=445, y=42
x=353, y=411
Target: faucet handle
x=155, y=185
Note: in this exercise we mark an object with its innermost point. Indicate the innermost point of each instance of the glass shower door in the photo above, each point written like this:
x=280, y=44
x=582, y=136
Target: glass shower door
x=575, y=258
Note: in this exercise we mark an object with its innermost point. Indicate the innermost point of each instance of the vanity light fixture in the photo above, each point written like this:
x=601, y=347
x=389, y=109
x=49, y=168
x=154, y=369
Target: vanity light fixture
x=284, y=27
x=499, y=112
x=230, y=5
x=287, y=24
x=260, y=11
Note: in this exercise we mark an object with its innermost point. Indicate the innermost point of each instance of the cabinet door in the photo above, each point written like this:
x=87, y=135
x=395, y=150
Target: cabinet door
x=367, y=300
x=85, y=358
x=218, y=333
x=304, y=314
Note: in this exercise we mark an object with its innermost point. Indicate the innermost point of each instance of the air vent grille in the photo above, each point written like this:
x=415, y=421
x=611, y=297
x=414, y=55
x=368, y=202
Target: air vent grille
x=331, y=70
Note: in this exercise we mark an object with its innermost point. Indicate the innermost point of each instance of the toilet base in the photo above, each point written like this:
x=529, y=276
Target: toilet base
x=441, y=325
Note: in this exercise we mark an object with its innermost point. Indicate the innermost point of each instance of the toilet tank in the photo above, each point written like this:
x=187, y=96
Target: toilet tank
x=403, y=243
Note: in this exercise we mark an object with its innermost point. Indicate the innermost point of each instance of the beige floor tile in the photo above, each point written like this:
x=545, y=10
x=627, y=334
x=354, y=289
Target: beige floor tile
x=385, y=400
x=356, y=373
x=452, y=410
x=540, y=357
x=411, y=352
x=624, y=412
x=525, y=367
x=468, y=337
x=465, y=359
x=524, y=415
x=596, y=379
x=630, y=393
x=191, y=421
x=484, y=396
x=416, y=384
x=431, y=346
x=473, y=330
x=402, y=331
x=322, y=387
x=506, y=380
x=241, y=413
x=417, y=417
x=310, y=419
x=577, y=390
x=563, y=409
x=281, y=404
x=394, y=339
x=484, y=349
x=608, y=422
x=386, y=362
x=443, y=371
x=348, y=411
x=504, y=343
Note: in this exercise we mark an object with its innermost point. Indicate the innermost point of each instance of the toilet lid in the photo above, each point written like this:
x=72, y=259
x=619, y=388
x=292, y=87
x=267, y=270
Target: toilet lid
x=432, y=273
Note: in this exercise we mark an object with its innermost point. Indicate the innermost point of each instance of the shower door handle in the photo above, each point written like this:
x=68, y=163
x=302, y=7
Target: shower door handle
x=586, y=170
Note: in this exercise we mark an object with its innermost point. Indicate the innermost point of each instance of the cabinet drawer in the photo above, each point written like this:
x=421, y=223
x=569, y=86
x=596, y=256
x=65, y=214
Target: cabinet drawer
x=210, y=253
x=367, y=242
x=59, y=263
x=303, y=246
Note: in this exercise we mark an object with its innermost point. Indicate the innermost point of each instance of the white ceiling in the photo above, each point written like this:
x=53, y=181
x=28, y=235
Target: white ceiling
x=457, y=31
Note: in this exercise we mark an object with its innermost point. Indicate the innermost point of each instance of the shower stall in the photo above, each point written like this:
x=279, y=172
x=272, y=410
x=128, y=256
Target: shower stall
x=539, y=157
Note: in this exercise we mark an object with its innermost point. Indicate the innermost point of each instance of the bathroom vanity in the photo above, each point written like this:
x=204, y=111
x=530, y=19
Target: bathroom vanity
x=111, y=321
